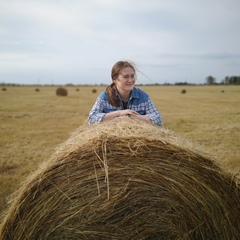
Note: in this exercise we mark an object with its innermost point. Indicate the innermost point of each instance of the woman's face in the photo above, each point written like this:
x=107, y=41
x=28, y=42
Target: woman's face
x=126, y=80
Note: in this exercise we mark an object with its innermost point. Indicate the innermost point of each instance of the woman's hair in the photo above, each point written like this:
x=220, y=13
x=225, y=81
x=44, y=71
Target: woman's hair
x=111, y=89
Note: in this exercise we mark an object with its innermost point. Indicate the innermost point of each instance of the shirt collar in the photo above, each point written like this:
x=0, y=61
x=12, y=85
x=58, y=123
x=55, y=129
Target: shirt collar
x=133, y=94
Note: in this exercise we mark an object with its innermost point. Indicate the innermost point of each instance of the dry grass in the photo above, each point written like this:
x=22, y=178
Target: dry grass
x=126, y=179
x=34, y=123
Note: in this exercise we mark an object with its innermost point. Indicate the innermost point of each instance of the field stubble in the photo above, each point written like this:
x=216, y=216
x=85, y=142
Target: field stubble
x=34, y=123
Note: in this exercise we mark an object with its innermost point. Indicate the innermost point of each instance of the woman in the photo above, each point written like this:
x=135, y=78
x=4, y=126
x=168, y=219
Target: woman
x=122, y=98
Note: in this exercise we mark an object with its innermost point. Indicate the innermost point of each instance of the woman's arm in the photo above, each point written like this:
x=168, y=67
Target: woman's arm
x=97, y=113
x=152, y=113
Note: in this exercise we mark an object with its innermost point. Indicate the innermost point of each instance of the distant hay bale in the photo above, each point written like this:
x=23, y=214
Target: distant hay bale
x=223, y=91
x=94, y=90
x=4, y=89
x=125, y=179
x=61, y=91
x=37, y=90
x=77, y=89
x=184, y=91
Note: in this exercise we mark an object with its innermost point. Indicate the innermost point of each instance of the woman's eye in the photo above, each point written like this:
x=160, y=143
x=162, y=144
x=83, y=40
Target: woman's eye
x=128, y=76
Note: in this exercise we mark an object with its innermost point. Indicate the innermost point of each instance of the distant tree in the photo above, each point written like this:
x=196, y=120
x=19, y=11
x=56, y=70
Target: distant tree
x=226, y=80
x=234, y=80
x=181, y=83
x=210, y=80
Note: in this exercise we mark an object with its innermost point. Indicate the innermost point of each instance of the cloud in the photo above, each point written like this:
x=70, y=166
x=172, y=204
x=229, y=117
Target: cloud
x=63, y=37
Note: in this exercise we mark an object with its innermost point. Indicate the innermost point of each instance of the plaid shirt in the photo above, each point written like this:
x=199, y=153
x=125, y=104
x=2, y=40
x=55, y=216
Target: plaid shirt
x=139, y=101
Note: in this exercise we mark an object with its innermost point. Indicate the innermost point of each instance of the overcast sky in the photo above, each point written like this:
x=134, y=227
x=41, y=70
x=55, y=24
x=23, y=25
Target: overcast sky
x=78, y=41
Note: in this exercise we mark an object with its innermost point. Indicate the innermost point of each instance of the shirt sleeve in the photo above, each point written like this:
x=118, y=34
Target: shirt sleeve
x=96, y=114
x=153, y=113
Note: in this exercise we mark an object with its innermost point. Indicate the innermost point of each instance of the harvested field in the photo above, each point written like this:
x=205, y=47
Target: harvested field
x=126, y=179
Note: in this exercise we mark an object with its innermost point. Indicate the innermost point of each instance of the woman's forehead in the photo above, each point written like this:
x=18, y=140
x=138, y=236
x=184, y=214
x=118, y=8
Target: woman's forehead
x=127, y=71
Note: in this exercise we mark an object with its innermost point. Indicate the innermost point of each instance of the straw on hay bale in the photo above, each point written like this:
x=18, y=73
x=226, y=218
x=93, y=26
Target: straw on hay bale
x=125, y=179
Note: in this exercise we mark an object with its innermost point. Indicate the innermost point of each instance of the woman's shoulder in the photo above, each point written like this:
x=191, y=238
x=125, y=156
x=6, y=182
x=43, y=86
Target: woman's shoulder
x=140, y=92
x=103, y=95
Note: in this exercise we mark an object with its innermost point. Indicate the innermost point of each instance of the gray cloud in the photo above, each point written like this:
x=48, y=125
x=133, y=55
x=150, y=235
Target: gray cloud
x=79, y=41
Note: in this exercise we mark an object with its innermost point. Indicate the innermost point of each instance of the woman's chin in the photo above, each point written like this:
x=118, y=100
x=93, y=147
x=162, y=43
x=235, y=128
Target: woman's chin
x=130, y=87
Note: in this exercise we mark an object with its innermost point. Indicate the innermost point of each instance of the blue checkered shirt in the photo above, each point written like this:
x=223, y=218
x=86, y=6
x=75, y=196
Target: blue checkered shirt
x=139, y=101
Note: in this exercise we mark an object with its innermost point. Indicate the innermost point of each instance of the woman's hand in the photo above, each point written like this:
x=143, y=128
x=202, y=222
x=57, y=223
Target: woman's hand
x=134, y=114
x=126, y=112
x=120, y=113
x=143, y=117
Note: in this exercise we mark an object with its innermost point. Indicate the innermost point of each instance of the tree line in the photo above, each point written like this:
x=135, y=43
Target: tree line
x=210, y=80
x=231, y=80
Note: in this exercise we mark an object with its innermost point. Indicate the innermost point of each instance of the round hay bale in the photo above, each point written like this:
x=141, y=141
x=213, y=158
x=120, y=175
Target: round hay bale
x=94, y=90
x=37, y=90
x=125, y=179
x=184, y=91
x=61, y=91
x=4, y=89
